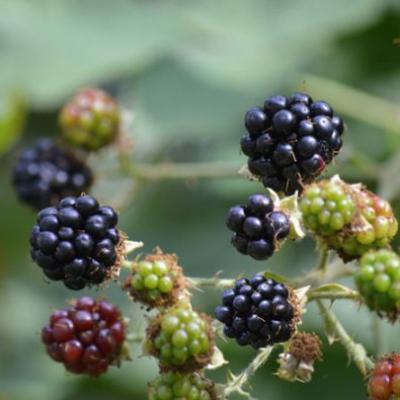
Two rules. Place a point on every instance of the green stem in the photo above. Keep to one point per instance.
(354, 103)
(214, 282)
(210, 170)
(236, 383)
(356, 351)
(324, 254)
(378, 335)
(349, 294)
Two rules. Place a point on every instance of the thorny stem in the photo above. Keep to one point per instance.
(236, 383)
(355, 350)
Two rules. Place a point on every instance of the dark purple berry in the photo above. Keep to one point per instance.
(320, 108)
(275, 103)
(236, 218)
(284, 121)
(306, 146)
(255, 121)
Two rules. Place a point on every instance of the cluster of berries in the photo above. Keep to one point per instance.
(173, 386)
(259, 312)
(50, 171)
(348, 218)
(86, 337)
(258, 227)
(378, 280)
(291, 140)
(384, 381)
(77, 242)
(46, 173)
(156, 281)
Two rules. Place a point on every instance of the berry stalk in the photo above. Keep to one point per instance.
(356, 351)
(236, 383)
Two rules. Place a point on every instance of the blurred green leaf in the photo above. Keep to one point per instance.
(12, 119)
(274, 37)
(48, 48)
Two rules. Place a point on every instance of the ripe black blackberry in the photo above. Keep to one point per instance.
(77, 242)
(259, 312)
(46, 173)
(87, 337)
(291, 140)
(259, 229)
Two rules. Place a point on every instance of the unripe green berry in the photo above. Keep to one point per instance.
(326, 207)
(185, 334)
(378, 280)
(91, 119)
(175, 386)
(156, 281)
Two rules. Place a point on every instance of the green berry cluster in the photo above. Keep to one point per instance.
(327, 207)
(174, 386)
(347, 218)
(91, 119)
(373, 227)
(157, 280)
(378, 280)
(181, 339)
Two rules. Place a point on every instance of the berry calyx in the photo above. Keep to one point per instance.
(181, 339)
(86, 337)
(174, 386)
(46, 173)
(296, 363)
(156, 280)
(91, 119)
(290, 141)
(259, 228)
(327, 207)
(259, 312)
(384, 381)
(378, 280)
(77, 242)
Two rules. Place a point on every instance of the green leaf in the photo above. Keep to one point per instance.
(49, 48)
(12, 119)
(276, 277)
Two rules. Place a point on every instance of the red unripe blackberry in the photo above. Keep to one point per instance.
(290, 141)
(77, 242)
(91, 119)
(87, 337)
(259, 228)
(384, 381)
(46, 173)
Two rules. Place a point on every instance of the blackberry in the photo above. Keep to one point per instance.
(77, 242)
(258, 228)
(373, 226)
(157, 280)
(258, 312)
(87, 337)
(296, 363)
(174, 386)
(181, 339)
(46, 173)
(327, 207)
(384, 380)
(91, 119)
(378, 280)
(290, 141)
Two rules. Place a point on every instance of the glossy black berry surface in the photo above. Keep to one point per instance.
(46, 173)
(76, 242)
(257, 227)
(257, 312)
(290, 141)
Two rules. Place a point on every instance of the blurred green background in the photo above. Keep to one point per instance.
(189, 70)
